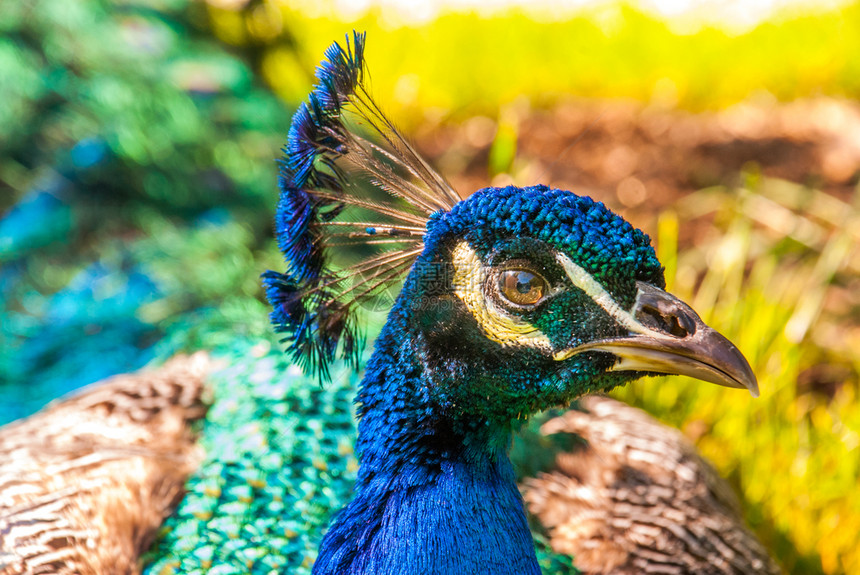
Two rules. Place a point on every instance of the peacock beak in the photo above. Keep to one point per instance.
(667, 336)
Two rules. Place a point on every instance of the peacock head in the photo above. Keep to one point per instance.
(516, 299)
(534, 296)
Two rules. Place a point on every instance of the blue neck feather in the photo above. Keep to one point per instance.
(430, 497)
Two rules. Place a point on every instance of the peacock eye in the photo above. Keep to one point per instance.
(522, 287)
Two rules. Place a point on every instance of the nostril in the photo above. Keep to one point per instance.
(667, 321)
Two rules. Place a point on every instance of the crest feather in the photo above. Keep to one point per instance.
(330, 182)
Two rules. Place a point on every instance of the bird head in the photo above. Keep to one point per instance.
(515, 299)
(525, 298)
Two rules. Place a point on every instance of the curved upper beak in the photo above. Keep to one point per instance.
(667, 336)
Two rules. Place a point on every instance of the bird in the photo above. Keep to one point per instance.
(509, 302)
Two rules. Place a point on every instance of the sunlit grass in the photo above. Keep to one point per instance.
(794, 452)
(468, 63)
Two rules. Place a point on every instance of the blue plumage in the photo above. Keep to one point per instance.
(612, 250)
(515, 300)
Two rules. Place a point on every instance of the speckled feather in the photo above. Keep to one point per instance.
(86, 483)
(635, 497)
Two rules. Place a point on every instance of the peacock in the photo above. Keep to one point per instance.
(505, 304)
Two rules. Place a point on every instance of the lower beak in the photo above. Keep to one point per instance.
(673, 339)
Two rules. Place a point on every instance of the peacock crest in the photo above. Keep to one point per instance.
(352, 214)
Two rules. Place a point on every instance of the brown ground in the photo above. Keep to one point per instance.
(639, 159)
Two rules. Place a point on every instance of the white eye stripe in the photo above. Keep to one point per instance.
(586, 282)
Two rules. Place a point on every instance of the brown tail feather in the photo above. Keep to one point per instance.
(86, 482)
(639, 499)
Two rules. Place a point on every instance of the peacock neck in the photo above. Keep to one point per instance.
(430, 497)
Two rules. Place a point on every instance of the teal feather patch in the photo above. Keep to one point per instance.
(278, 464)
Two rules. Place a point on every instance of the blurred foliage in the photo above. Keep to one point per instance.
(121, 121)
(468, 63)
(130, 103)
(776, 253)
(137, 183)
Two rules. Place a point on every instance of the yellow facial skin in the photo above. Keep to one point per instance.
(470, 276)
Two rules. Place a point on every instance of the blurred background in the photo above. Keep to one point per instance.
(138, 181)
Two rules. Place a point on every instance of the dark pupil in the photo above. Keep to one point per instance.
(522, 287)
